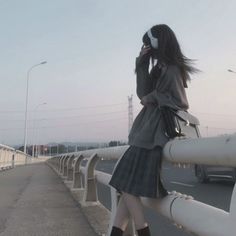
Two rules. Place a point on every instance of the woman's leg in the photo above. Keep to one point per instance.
(122, 215)
(135, 209)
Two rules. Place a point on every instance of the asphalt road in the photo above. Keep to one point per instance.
(216, 193)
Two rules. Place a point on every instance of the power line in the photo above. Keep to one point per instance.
(63, 109)
(71, 117)
(215, 114)
(83, 123)
(72, 125)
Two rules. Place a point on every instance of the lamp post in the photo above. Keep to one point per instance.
(34, 129)
(38, 147)
(26, 104)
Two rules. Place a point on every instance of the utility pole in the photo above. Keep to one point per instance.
(130, 112)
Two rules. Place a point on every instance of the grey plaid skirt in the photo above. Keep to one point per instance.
(138, 173)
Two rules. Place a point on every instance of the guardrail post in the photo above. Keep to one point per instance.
(90, 193)
(61, 164)
(70, 168)
(1, 154)
(13, 160)
(64, 167)
(58, 163)
(77, 180)
(4, 159)
(10, 159)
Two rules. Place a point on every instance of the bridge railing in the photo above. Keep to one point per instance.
(206, 220)
(9, 157)
(6, 154)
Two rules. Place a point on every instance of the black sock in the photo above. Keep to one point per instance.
(144, 231)
(116, 231)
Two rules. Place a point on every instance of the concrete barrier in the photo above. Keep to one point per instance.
(10, 158)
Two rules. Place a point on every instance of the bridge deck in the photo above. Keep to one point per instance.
(34, 201)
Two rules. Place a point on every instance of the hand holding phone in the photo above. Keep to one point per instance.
(145, 50)
(144, 56)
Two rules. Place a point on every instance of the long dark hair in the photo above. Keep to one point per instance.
(169, 51)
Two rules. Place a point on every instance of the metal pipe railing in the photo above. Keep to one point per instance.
(219, 151)
(206, 220)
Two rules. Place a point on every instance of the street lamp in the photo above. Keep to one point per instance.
(26, 103)
(231, 71)
(38, 149)
(34, 129)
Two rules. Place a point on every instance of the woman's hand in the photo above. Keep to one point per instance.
(144, 56)
(145, 50)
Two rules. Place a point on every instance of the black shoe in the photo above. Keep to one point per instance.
(144, 231)
(116, 231)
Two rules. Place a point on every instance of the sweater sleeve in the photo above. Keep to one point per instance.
(143, 80)
(170, 91)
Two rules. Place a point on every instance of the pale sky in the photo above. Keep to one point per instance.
(90, 48)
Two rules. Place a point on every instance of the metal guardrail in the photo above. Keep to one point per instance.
(206, 220)
(9, 157)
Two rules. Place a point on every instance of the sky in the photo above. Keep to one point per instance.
(90, 48)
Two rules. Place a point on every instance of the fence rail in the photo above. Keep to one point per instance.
(9, 157)
(206, 220)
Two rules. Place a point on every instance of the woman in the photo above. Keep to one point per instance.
(138, 171)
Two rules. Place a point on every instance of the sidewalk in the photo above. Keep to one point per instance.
(35, 202)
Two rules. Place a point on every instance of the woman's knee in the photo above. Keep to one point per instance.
(130, 196)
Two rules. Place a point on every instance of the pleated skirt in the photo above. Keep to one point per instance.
(138, 172)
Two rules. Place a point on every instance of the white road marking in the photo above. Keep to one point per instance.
(179, 183)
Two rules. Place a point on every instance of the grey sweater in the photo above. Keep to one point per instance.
(148, 127)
